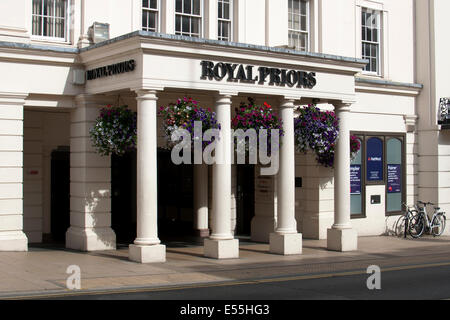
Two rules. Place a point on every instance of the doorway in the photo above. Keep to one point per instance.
(245, 199)
(60, 194)
(175, 197)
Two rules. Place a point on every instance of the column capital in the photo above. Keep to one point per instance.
(287, 102)
(343, 106)
(145, 94)
(224, 98)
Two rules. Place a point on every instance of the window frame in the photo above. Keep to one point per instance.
(380, 32)
(299, 31)
(384, 136)
(158, 12)
(67, 24)
(229, 21)
(200, 16)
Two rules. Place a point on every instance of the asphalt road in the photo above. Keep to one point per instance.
(420, 282)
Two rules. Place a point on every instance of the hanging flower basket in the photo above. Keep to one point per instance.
(114, 131)
(317, 131)
(252, 116)
(183, 115)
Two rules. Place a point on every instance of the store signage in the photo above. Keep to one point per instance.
(249, 74)
(355, 179)
(112, 69)
(374, 159)
(394, 182)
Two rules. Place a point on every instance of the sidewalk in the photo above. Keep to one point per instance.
(43, 270)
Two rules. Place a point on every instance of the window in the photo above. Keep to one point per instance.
(224, 19)
(188, 18)
(299, 24)
(150, 15)
(371, 34)
(49, 19)
(356, 184)
(380, 161)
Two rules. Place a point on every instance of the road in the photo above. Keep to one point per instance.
(419, 282)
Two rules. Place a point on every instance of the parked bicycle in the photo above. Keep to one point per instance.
(403, 223)
(421, 222)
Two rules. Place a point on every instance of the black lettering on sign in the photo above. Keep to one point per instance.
(111, 70)
(242, 73)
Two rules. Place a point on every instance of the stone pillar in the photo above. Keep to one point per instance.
(221, 244)
(12, 237)
(201, 200)
(147, 247)
(90, 183)
(286, 240)
(341, 236)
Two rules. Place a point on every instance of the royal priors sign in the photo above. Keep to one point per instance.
(262, 75)
(111, 70)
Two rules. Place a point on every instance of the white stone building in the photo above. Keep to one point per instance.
(381, 65)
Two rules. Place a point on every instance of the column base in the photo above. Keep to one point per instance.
(286, 244)
(90, 239)
(15, 241)
(342, 240)
(221, 249)
(202, 233)
(147, 254)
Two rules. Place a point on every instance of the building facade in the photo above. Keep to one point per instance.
(380, 65)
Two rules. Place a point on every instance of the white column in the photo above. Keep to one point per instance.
(341, 237)
(90, 183)
(221, 244)
(147, 247)
(201, 200)
(285, 240)
(12, 237)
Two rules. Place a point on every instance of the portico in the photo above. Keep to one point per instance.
(159, 70)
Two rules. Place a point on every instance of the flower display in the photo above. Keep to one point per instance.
(114, 131)
(318, 131)
(257, 117)
(183, 115)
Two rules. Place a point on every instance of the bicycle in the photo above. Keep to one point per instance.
(421, 222)
(403, 222)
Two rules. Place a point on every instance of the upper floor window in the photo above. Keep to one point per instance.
(225, 19)
(299, 24)
(50, 19)
(188, 18)
(371, 34)
(150, 15)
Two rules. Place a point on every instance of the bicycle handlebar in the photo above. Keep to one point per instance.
(425, 203)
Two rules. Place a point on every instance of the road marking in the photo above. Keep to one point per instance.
(222, 284)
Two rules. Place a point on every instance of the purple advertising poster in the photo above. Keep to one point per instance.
(355, 179)
(394, 173)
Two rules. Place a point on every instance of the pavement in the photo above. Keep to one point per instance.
(42, 270)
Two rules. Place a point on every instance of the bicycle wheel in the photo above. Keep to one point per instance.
(438, 225)
(401, 227)
(416, 226)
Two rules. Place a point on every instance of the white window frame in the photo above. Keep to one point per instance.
(229, 21)
(158, 15)
(300, 31)
(377, 43)
(67, 22)
(201, 17)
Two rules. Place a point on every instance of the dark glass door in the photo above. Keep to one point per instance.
(60, 193)
(245, 198)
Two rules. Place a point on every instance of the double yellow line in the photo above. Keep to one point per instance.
(221, 284)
